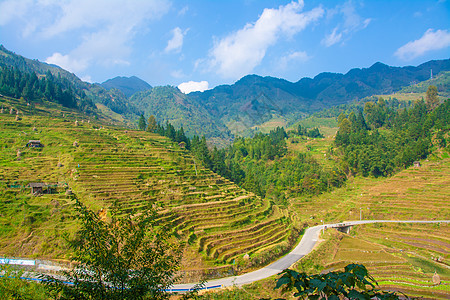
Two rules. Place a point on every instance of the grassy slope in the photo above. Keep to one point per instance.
(110, 164)
(401, 257)
(163, 174)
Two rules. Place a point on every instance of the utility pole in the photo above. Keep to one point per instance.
(323, 226)
(360, 213)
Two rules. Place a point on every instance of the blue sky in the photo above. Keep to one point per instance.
(201, 44)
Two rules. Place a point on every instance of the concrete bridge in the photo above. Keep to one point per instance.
(342, 227)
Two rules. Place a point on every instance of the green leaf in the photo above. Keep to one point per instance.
(353, 294)
(283, 280)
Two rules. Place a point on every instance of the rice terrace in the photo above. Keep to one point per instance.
(214, 182)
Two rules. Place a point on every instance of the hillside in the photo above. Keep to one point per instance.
(401, 257)
(255, 100)
(103, 165)
(251, 104)
(168, 104)
(127, 85)
(113, 100)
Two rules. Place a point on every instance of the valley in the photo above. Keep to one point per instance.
(236, 203)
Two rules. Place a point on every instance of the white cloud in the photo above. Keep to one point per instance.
(103, 29)
(76, 14)
(332, 38)
(352, 22)
(240, 52)
(298, 56)
(183, 11)
(87, 78)
(431, 40)
(193, 86)
(176, 42)
(66, 62)
(10, 10)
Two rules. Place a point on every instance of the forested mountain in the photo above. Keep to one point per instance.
(238, 109)
(83, 91)
(169, 104)
(128, 85)
(11, 59)
(254, 100)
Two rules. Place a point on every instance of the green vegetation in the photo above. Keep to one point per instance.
(354, 282)
(264, 165)
(14, 83)
(168, 104)
(130, 257)
(384, 140)
(13, 287)
(103, 165)
(292, 179)
(441, 81)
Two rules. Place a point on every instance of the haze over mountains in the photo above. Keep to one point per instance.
(240, 108)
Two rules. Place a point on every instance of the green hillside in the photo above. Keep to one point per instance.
(85, 94)
(103, 165)
(168, 104)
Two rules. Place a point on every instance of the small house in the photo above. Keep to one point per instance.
(182, 145)
(37, 188)
(417, 164)
(34, 144)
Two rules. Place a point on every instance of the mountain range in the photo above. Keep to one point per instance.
(240, 108)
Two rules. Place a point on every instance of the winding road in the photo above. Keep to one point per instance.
(305, 246)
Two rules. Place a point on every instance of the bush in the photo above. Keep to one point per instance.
(121, 258)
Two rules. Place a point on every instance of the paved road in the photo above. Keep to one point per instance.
(305, 246)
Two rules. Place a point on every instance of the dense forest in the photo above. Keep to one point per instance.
(380, 140)
(17, 84)
(376, 139)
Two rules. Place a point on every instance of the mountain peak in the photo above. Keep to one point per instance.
(128, 85)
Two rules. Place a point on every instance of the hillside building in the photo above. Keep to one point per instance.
(34, 144)
(39, 188)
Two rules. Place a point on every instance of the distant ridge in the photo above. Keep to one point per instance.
(128, 85)
(251, 104)
(254, 100)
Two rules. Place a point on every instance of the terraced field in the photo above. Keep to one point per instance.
(401, 257)
(106, 165)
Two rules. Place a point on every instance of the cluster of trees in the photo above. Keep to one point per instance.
(17, 84)
(176, 135)
(380, 139)
(346, 109)
(303, 131)
(263, 165)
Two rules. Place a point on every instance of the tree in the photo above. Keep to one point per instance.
(353, 283)
(141, 123)
(432, 100)
(152, 124)
(123, 258)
